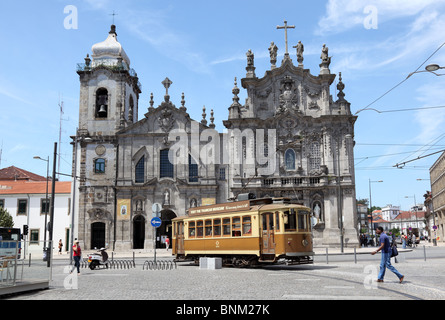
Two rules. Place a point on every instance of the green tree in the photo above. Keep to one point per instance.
(5, 219)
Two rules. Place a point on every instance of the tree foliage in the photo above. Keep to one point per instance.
(5, 219)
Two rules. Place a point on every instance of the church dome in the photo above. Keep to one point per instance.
(107, 52)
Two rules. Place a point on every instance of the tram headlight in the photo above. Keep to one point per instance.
(305, 242)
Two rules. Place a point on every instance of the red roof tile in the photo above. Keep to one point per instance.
(33, 187)
(15, 174)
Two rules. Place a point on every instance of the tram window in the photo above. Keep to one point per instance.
(302, 220)
(277, 221)
(226, 226)
(199, 229)
(217, 227)
(247, 225)
(290, 220)
(236, 227)
(192, 229)
(208, 228)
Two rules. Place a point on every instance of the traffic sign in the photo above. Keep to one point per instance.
(156, 222)
(434, 227)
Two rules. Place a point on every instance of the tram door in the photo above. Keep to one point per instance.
(179, 230)
(268, 233)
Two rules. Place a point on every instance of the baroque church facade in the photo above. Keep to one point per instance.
(290, 139)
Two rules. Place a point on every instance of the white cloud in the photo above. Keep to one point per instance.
(343, 15)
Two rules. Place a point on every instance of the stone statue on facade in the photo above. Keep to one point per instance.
(273, 49)
(325, 60)
(300, 50)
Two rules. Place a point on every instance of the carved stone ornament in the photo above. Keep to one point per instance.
(288, 99)
(166, 120)
(100, 150)
(98, 214)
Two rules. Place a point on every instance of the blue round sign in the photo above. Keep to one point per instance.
(156, 222)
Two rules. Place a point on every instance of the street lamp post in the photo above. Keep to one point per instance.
(53, 193)
(431, 68)
(370, 205)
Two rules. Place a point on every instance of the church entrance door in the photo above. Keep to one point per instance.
(165, 230)
(97, 235)
(138, 232)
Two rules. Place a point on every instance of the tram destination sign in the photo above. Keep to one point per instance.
(220, 208)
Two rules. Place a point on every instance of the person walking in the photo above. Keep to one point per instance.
(403, 241)
(60, 246)
(77, 254)
(385, 262)
(167, 243)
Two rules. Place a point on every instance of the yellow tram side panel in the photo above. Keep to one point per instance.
(219, 245)
(290, 243)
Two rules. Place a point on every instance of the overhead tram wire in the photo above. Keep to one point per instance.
(400, 83)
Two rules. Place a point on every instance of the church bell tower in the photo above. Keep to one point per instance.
(109, 89)
(108, 103)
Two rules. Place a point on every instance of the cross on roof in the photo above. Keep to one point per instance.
(285, 27)
(113, 14)
(167, 83)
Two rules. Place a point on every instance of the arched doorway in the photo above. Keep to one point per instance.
(97, 235)
(138, 232)
(165, 230)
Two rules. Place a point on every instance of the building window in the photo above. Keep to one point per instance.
(99, 165)
(193, 170)
(315, 157)
(289, 157)
(222, 173)
(34, 236)
(101, 103)
(22, 204)
(140, 170)
(2, 203)
(44, 206)
(166, 166)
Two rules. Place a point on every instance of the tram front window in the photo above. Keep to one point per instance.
(303, 223)
(290, 220)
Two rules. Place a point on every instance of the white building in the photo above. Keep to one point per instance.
(25, 200)
(390, 212)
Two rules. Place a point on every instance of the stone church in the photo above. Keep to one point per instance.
(289, 139)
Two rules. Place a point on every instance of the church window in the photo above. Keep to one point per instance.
(193, 170)
(139, 170)
(290, 159)
(131, 109)
(166, 166)
(99, 165)
(101, 103)
(222, 173)
(315, 157)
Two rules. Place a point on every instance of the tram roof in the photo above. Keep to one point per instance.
(243, 206)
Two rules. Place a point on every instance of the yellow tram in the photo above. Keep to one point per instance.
(245, 233)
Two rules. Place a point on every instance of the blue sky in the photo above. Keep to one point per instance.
(201, 47)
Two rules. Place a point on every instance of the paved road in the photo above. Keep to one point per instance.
(339, 279)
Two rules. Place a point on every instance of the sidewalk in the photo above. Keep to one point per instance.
(162, 253)
(369, 249)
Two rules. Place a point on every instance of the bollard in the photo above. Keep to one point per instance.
(327, 260)
(355, 256)
(29, 262)
(424, 253)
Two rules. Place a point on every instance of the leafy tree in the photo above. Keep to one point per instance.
(5, 219)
